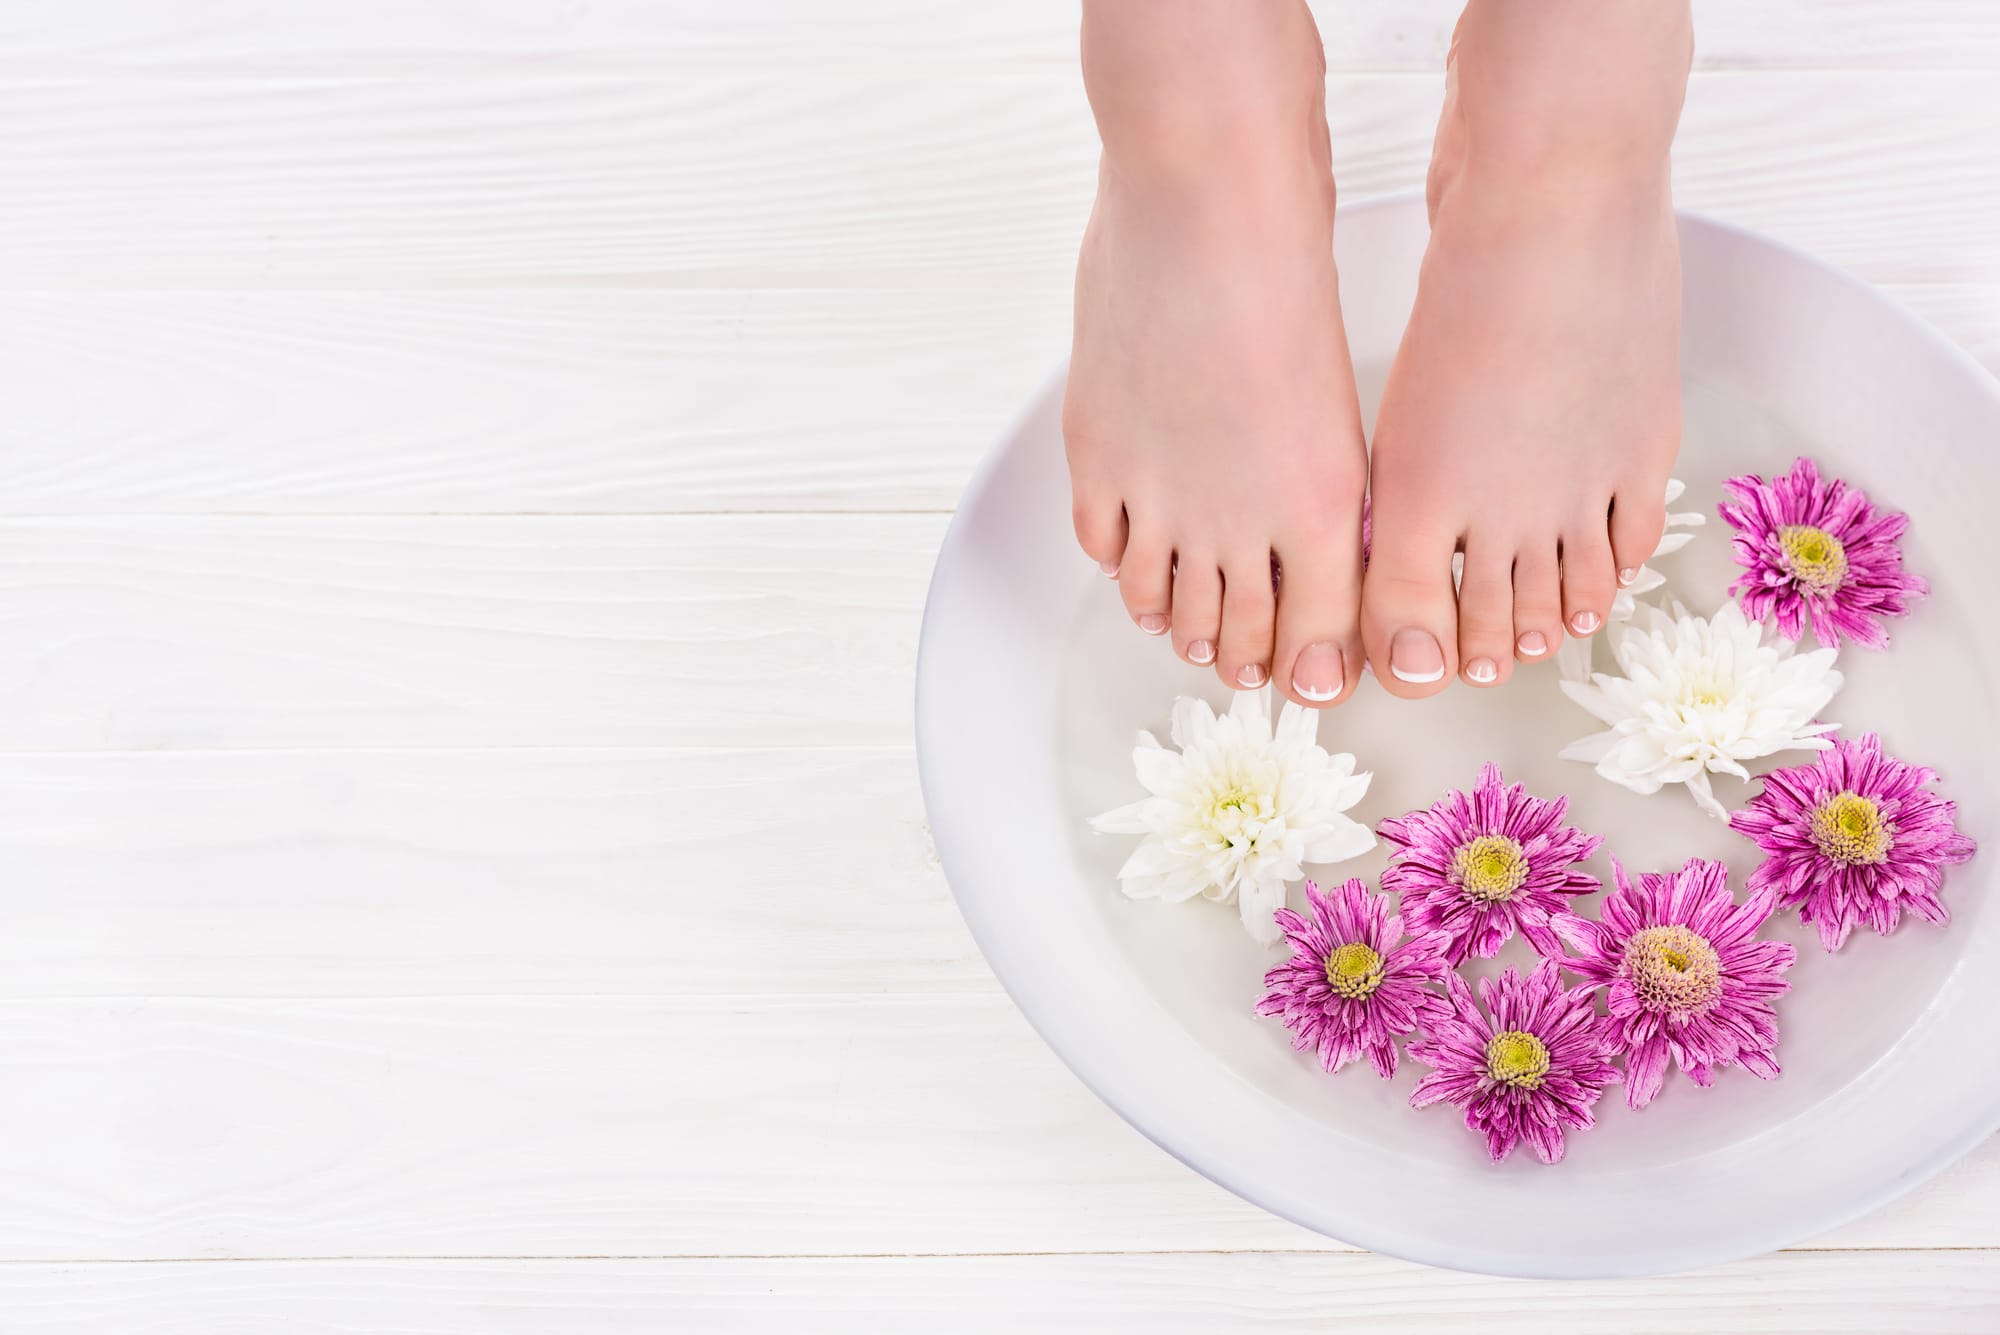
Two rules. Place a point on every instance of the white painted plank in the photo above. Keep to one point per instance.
(874, 38)
(551, 402)
(805, 181)
(1907, 1293)
(615, 1126)
(416, 873)
(151, 634)
(525, 401)
(156, 1128)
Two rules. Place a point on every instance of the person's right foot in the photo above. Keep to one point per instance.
(1211, 420)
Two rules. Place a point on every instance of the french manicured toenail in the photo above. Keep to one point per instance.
(1532, 644)
(1318, 674)
(1110, 569)
(1626, 576)
(1153, 623)
(1482, 670)
(1251, 674)
(1585, 622)
(1415, 658)
(1200, 652)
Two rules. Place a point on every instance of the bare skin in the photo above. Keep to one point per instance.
(1532, 416)
(1211, 420)
(1533, 412)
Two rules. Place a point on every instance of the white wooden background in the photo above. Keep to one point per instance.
(469, 473)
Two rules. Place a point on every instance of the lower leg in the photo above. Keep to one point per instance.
(1211, 420)
(1533, 412)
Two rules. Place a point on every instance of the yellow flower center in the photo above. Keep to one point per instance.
(1489, 868)
(1673, 969)
(1813, 556)
(1354, 971)
(1516, 1057)
(1236, 814)
(1848, 828)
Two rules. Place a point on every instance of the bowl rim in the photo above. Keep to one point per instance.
(1356, 1230)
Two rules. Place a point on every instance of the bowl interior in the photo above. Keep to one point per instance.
(1033, 684)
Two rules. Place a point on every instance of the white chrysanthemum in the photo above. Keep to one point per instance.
(1238, 808)
(1700, 696)
(1576, 657)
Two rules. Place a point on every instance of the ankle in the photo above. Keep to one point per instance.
(1189, 92)
(1566, 92)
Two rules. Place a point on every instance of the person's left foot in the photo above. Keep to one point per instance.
(1532, 416)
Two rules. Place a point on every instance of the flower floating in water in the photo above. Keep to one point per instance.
(1479, 865)
(1700, 696)
(1857, 836)
(1575, 655)
(1684, 975)
(1817, 551)
(1238, 808)
(1353, 982)
(1529, 1071)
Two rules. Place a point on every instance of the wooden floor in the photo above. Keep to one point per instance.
(469, 471)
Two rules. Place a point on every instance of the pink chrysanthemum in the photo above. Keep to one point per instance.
(1477, 866)
(1855, 836)
(1684, 975)
(1817, 550)
(1532, 1069)
(1353, 983)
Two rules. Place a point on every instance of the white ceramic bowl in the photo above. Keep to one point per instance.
(1031, 685)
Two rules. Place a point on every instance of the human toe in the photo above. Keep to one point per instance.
(1408, 611)
(1249, 607)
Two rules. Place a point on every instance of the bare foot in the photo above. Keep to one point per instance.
(1532, 416)
(1212, 427)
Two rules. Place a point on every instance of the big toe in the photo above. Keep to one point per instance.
(1408, 611)
(1318, 655)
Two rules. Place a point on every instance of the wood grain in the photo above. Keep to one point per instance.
(1788, 1294)
(689, 37)
(412, 873)
(665, 401)
(145, 634)
(526, 401)
(362, 181)
(593, 1126)
(451, 807)
(1951, 1293)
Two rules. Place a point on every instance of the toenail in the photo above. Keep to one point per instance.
(1415, 657)
(1533, 644)
(1626, 576)
(1318, 674)
(1110, 569)
(1153, 623)
(1482, 670)
(1201, 652)
(1251, 674)
(1585, 622)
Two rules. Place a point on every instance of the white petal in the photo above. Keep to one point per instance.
(1672, 542)
(1193, 722)
(1298, 727)
(1343, 840)
(1704, 797)
(1258, 904)
(1589, 749)
(1160, 771)
(1141, 817)
(1171, 887)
